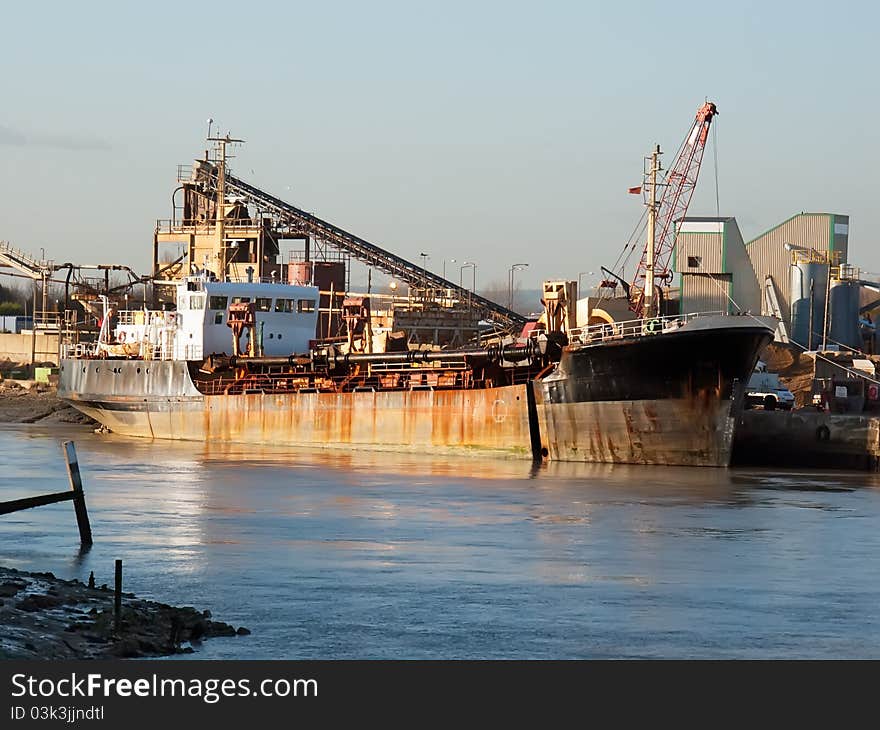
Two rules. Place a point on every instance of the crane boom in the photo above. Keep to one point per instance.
(678, 187)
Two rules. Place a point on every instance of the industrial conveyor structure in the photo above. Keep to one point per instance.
(203, 184)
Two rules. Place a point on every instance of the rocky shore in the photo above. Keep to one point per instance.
(23, 401)
(44, 617)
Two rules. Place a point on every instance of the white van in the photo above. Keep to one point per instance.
(765, 389)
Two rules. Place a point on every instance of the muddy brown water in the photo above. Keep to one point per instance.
(346, 554)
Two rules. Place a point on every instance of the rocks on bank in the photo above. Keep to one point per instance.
(44, 617)
(24, 401)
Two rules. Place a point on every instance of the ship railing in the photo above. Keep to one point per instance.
(310, 383)
(200, 225)
(632, 328)
(78, 350)
(139, 317)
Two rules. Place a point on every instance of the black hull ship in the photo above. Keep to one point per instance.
(672, 397)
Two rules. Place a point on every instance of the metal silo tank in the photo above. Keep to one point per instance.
(844, 314)
(803, 275)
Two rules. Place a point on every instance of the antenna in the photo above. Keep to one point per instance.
(210, 122)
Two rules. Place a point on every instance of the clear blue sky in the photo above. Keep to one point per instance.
(495, 132)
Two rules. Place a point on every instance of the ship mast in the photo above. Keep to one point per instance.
(648, 293)
(221, 198)
(668, 208)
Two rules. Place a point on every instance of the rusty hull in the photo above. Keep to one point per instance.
(670, 431)
(158, 400)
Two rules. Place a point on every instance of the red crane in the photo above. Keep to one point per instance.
(678, 187)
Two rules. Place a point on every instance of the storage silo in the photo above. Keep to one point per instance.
(845, 314)
(809, 280)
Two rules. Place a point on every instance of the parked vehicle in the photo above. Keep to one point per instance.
(765, 389)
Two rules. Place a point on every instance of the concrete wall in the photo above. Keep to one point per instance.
(18, 348)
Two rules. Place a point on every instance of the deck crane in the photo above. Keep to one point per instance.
(678, 187)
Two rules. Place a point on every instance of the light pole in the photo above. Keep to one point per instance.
(466, 265)
(582, 273)
(451, 261)
(425, 257)
(515, 267)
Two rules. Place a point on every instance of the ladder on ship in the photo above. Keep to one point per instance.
(366, 252)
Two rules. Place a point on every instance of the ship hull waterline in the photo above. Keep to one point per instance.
(691, 424)
(673, 399)
(159, 400)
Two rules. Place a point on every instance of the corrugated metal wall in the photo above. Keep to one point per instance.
(705, 246)
(745, 290)
(810, 230)
(719, 244)
(704, 293)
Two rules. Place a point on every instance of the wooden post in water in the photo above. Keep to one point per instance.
(79, 497)
(117, 597)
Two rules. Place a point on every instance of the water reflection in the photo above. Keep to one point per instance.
(331, 554)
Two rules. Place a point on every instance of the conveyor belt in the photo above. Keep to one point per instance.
(366, 252)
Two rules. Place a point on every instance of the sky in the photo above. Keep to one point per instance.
(490, 132)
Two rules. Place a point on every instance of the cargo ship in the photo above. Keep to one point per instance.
(671, 396)
(231, 351)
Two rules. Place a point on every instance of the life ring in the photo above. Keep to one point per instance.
(120, 338)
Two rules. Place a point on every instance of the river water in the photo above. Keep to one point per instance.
(353, 554)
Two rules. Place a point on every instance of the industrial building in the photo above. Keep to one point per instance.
(797, 271)
(716, 273)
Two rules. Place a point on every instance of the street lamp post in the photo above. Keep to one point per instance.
(451, 261)
(582, 273)
(425, 257)
(467, 265)
(515, 267)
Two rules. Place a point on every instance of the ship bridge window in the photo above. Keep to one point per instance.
(305, 305)
(285, 305)
(240, 300)
(263, 304)
(216, 302)
(196, 302)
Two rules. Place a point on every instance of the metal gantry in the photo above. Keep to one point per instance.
(367, 253)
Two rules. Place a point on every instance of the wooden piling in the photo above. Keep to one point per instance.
(117, 597)
(76, 495)
(79, 497)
